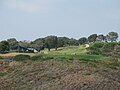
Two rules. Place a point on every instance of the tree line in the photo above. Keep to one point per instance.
(50, 42)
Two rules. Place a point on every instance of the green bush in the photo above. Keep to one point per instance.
(71, 58)
(21, 57)
(36, 57)
(109, 46)
(47, 58)
(104, 48)
(98, 44)
(94, 50)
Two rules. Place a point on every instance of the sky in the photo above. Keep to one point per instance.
(32, 19)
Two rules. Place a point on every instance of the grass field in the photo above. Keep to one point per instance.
(67, 50)
(73, 52)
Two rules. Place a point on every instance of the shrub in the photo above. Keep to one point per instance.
(98, 44)
(21, 57)
(117, 51)
(71, 58)
(94, 50)
(104, 48)
(36, 57)
(109, 46)
(47, 58)
(59, 57)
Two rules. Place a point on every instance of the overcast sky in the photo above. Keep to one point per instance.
(31, 19)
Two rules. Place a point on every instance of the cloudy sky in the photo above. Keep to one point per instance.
(31, 19)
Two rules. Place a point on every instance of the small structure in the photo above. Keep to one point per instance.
(32, 49)
(22, 49)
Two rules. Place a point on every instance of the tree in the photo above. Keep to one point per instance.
(83, 40)
(38, 44)
(92, 38)
(60, 42)
(73, 42)
(100, 38)
(13, 43)
(4, 46)
(24, 43)
(112, 36)
(65, 41)
(105, 38)
(51, 42)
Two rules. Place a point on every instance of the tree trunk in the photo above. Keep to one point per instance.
(48, 49)
(56, 48)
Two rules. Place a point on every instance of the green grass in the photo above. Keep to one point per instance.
(67, 50)
(71, 53)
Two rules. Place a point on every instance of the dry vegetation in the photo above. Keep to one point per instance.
(60, 71)
(14, 54)
(60, 75)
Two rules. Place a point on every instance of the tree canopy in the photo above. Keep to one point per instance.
(112, 36)
(92, 38)
(51, 42)
(55, 42)
(4, 46)
(83, 40)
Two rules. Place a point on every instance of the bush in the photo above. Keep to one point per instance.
(94, 50)
(109, 46)
(71, 58)
(36, 57)
(98, 44)
(103, 48)
(21, 57)
(47, 58)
